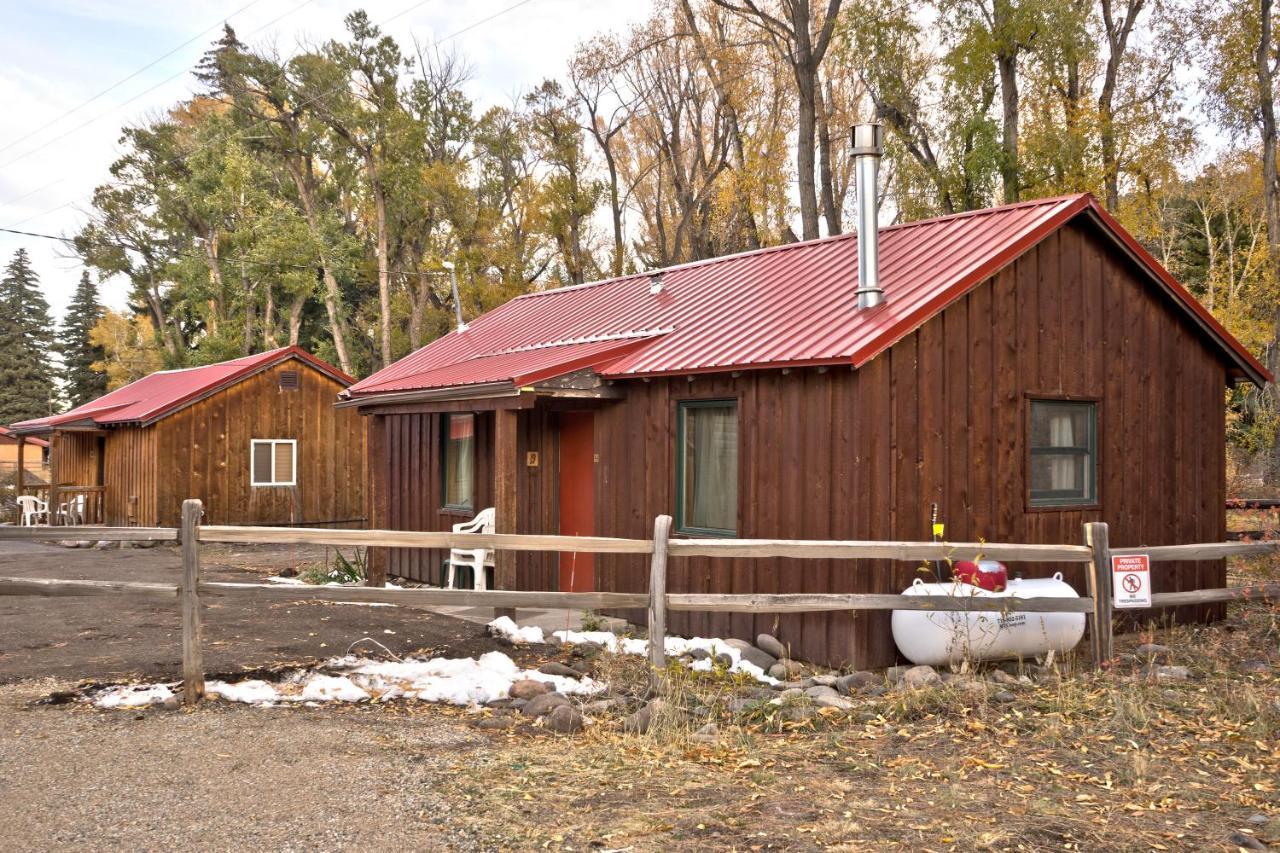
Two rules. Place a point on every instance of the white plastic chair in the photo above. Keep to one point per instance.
(72, 511)
(32, 509)
(476, 558)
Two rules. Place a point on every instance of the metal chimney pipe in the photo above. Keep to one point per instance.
(868, 148)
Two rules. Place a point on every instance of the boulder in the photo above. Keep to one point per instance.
(1153, 652)
(698, 654)
(1254, 666)
(921, 676)
(564, 719)
(874, 690)
(604, 706)
(833, 700)
(540, 706)
(894, 673)
(759, 657)
(821, 690)
(771, 645)
(999, 676)
(740, 645)
(494, 723)
(706, 734)
(556, 668)
(724, 660)
(847, 684)
(798, 713)
(785, 669)
(824, 680)
(640, 722)
(1004, 697)
(527, 688)
(1170, 673)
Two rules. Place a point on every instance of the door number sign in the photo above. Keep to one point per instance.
(1131, 581)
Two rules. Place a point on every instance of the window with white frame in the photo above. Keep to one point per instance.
(273, 462)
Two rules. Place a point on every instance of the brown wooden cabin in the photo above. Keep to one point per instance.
(1031, 368)
(257, 439)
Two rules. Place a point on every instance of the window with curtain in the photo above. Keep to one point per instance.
(707, 467)
(273, 462)
(1064, 453)
(459, 464)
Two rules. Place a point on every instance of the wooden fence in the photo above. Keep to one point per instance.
(189, 592)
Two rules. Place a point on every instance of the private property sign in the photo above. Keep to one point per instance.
(1131, 581)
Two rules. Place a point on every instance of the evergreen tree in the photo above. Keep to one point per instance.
(26, 342)
(81, 382)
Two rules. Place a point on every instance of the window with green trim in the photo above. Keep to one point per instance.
(1064, 453)
(458, 460)
(707, 467)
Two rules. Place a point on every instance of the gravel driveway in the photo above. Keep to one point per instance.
(224, 777)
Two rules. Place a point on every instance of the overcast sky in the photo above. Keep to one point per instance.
(56, 54)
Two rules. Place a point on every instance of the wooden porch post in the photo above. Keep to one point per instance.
(55, 449)
(375, 495)
(22, 462)
(504, 499)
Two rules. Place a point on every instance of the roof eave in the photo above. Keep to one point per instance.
(479, 391)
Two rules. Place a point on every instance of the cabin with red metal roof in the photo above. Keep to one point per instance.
(1024, 369)
(257, 439)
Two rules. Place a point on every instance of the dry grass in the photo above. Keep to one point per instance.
(1114, 760)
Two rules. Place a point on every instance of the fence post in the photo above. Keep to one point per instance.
(658, 595)
(192, 633)
(1100, 638)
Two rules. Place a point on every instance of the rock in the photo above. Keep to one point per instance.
(640, 722)
(173, 703)
(970, 688)
(106, 544)
(564, 719)
(1170, 673)
(770, 645)
(604, 706)
(706, 734)
(1152, 651)
(759, 657)
(1258, 819)
(824, 680)
(737, 706)
(920, 676)
(143, 543)
(75, 543)
(790, 693)
(1025, 681)
(1004, 697)
(740, 645)
(699, 654)
(820, 690)
(894, 673)
(999, 676)
(757, 692)
(833, 700)
(494, 723)
(555, 668)
(724, 660)
(527, 688)
(540, 706)
(518, 703)
(847, 684)
(288, 572)
(1254, 666)
(1247, 842)
(798, 713)
(875, 690)
(786, 669)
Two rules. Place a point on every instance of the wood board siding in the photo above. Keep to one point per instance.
(130, 477)
(204, 451)
(940, 417)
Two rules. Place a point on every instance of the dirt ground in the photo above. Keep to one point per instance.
(109, 639)
(1119, 760)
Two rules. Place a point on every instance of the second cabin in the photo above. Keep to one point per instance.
(1027, 369)
(257, 439)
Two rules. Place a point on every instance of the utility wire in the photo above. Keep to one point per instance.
(124, 80)
(262, 123)
(108, 112)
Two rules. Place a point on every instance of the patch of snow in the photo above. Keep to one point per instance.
(286, 581)
(252, 692)
(504, 626)
(132, 695)
(331, 688)
(673, 646)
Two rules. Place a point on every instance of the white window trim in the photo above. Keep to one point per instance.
(292, 442)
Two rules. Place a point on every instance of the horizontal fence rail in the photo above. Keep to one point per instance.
(1096, 552)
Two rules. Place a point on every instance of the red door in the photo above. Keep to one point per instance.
(577, 497)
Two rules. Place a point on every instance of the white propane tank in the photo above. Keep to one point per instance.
(937, 638)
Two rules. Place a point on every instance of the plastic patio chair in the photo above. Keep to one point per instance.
(474, 558)
(32, 509)
(72, 511)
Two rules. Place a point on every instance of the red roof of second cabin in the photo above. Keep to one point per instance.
(5, 432)
(164, 392)
(789, 305)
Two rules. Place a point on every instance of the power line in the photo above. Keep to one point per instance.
(262, 123)
(124, 80)
(144, 92)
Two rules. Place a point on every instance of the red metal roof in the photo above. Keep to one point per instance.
(162, 393)
(5, 432)
(789, 305)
